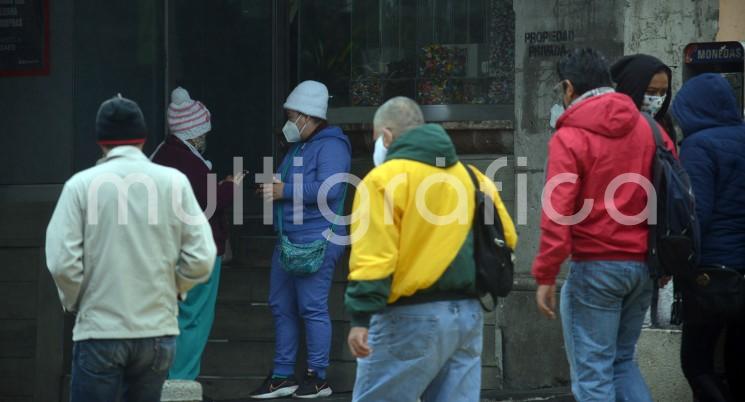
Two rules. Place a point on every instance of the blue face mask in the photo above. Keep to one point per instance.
(380, 151)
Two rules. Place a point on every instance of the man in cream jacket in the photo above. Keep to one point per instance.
(126, 240)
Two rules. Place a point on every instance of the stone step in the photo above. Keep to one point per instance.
(252, 250)
(341, 376)
(253, 359)
(549, 394)
(253, 355)
(181, 391)
(254, 322)
(237, 389)
(240, 284)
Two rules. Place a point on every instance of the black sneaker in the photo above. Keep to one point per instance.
(275, 388)
(313, 387)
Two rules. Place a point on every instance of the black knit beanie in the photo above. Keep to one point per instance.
(120, 122)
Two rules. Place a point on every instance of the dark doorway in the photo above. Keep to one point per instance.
(221, 52)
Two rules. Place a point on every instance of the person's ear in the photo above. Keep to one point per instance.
(569, 93)
(387, 137)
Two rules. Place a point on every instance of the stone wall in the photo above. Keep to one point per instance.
(662, 28)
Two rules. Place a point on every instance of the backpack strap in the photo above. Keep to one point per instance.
(477, 186)
(652, 258)
(655, 130)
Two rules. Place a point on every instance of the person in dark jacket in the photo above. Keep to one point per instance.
(325, 152)
(189, 122)
(648, 81)
(713, 154)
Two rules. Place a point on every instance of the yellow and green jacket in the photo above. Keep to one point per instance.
(411, 227)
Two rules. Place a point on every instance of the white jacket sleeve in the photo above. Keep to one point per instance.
(64, 247)
(198, 250)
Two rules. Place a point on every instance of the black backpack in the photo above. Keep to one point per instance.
(675, 239)
(494, 263)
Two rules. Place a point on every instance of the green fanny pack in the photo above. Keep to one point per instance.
(303, 259)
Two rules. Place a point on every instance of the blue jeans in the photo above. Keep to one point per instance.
(107, 370)
(302, 298)
(603, 304)
(195, 317)
(429, 350)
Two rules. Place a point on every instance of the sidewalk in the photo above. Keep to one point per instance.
(549, 395)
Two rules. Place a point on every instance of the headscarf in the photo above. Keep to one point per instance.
(632, 75)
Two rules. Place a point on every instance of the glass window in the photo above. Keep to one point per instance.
(324, 45)
(435, 51)
(118, 49)
(221, 52)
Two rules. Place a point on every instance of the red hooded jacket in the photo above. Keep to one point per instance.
(598, 140)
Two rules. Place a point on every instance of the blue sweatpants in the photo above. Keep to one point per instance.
(295, 298)
(195, 317)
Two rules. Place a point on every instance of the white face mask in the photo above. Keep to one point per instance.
(652, 104)
(556, 112)
(291, 132)
(380, 151)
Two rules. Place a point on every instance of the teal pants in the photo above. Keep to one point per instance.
(195, 318)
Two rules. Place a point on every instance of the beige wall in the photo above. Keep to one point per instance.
(731, 20)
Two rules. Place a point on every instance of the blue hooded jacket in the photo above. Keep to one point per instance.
(325, 154)
(713, 154)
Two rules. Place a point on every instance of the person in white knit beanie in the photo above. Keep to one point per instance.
(298, 292)
(306, 108)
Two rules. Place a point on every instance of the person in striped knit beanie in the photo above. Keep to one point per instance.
(189, 122)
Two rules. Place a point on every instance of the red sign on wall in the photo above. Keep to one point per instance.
(24, 37)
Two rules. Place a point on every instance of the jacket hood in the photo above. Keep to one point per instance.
(632, 75)
(424, 144)
(609, 115)
(705, 101)
(331, 132)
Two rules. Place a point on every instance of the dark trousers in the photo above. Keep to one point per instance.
(130, 370)
(698, 354)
